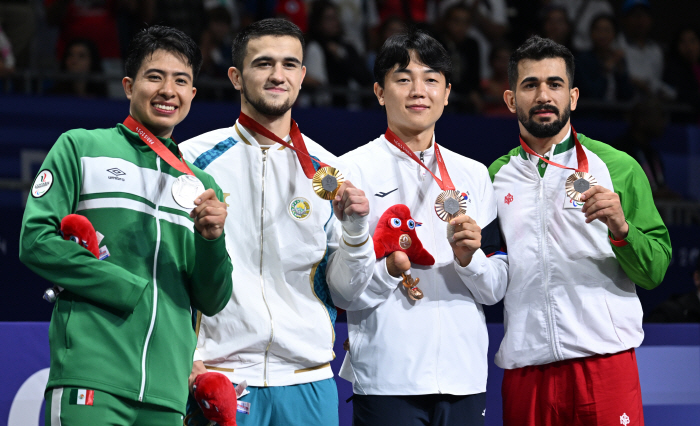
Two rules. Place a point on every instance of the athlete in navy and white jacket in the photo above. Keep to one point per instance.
(399, 348)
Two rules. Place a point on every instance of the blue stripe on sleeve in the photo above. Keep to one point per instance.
(207, 157)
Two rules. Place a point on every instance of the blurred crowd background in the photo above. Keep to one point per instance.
(637, 67)
(626, 50)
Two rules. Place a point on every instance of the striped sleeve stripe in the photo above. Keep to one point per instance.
(207, 157)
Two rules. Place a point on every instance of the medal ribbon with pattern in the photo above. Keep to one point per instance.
(187, 186)
(156, 145)
(579, 181)
(450, 203)
(326, 180)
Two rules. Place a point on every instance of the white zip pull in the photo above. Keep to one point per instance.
(422, 169)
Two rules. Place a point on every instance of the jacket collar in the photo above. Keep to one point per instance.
(243, 134)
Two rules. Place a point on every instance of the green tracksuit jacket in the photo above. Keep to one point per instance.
(123, 324)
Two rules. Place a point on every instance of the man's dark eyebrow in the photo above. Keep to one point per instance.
(407, 71)
(269, 58)
(159, 71)
(535, 79)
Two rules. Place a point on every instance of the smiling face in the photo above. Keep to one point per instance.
(161, 93)
(542, 100)
(414, 97)
(271, 76)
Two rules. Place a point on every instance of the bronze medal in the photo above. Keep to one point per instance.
(326, 182)
(404, 241)
(578, 183)
(450, 204)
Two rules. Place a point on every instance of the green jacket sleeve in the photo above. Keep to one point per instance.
(211, 277)
(66, 263)
(647, 254)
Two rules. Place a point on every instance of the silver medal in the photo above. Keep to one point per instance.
(185, 189)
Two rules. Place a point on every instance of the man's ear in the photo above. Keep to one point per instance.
(234, 74)
(573, 95)
(379, 93)
(447, 92)
(509, 99)
(128, 84)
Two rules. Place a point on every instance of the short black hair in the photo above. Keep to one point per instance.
(397, 48)
(266, 27)
(159, 37)
(537, 48)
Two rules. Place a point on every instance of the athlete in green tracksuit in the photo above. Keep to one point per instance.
(121, 336)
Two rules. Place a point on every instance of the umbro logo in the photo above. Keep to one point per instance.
(384, 194)
(116, 172)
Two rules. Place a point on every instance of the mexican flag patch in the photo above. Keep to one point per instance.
(82, 396)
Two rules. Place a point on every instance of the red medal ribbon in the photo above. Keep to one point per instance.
(446, 183)
(156, 145)
(305, 159)
(580, 154)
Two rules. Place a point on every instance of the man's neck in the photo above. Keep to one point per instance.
(279, 125)
(543, 145)
(416, 140)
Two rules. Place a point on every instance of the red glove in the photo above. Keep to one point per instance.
(75, 227)
(216, 396)
(396, 232)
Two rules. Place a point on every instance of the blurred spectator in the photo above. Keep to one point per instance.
(19, 25)
(81, 59)
(556, 25)
(601, 73)
(581, 14)
(464, 52)
(329, 60)
(490, 18)
(7, 59)
(411, 11)
(215, 43)
(357, 17)
(185, 15)
(683, 67)
(647, 122)
(231, 6)
(645, 60)
(93, 20)
(494, 87)
(391, 26)
(294, 11)
(680, 307)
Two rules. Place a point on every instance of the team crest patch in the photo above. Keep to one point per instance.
(300, 208)
(42, 183)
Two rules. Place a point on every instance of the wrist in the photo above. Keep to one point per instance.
(621, 233)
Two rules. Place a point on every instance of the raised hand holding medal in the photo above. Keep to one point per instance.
(450, 203)
(187, 191)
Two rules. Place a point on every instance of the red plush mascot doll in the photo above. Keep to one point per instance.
(396, 231)
(217, 398)
(75, 227)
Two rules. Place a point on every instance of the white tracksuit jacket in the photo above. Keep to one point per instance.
(284, 241)
(571, 292)
(439, 343)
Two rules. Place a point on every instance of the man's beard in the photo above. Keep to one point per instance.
(265, 108)
(544, 130)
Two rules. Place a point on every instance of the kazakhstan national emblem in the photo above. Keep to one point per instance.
(624, 419)
(300, 208)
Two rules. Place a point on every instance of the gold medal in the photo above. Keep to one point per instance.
(449, 205)
(326, 182)
(578, 183)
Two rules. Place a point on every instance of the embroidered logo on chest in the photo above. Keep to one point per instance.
(299, 208)
(570, 203)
